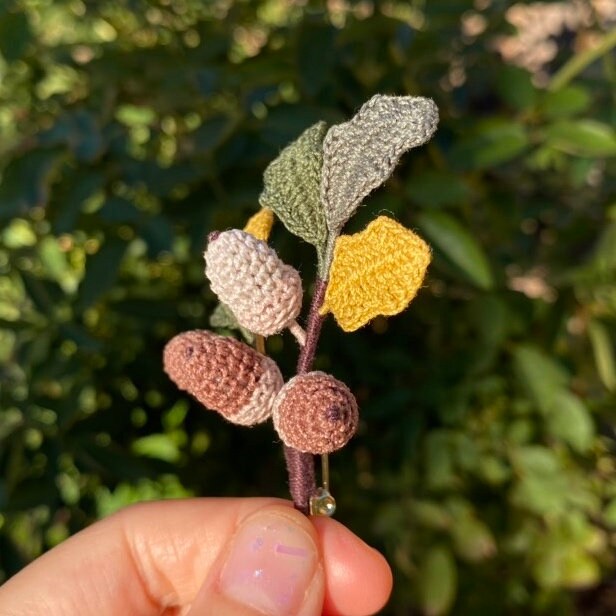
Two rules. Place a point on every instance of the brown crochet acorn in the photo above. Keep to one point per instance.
(315, 413)
(224, 374)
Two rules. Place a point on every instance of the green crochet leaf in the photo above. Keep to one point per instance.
(222, 317)
(359, 155)
(292, 187)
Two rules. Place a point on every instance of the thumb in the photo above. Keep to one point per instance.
(271, 566)
(256, 555)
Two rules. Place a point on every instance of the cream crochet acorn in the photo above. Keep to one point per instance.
(264, 294)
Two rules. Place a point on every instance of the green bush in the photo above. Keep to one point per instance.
(484, 465)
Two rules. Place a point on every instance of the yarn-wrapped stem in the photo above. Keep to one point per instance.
(300, 466)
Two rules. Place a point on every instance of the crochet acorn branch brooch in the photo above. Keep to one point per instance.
(314, 187)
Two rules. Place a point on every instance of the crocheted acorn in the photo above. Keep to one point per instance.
(315, 413)
(224, 374)
(264, 293)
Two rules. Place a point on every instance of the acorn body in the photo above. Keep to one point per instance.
(224, 374)
(263, 292)
(315, 413)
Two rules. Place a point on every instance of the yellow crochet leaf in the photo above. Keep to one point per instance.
(260, 225)
(377, 271)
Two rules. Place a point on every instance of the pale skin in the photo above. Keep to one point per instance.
(168, 559)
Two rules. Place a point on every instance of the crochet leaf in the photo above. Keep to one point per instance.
(260, 224)
(222, 317)
(292, 184)
(375, 272)
(359, 155)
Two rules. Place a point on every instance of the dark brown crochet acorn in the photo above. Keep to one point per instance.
(315, 413)
(224, 374)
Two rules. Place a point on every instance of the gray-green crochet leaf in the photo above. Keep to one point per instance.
(359, 155)
(222, 317)
(292, 186)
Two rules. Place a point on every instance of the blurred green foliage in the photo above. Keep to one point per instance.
(484, 466)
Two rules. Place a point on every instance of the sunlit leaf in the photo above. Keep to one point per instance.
(55, 262)
(580, 570)
(582, 137)
(437, 583)
(458, 245)
(473, 540)
(431, 514)
(18, 233)
(101, 272)
(541, 376)
(603, 349)
(570, 420)
(160, 446)
(565, 102)
(540, 495)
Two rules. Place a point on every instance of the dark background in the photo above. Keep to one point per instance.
(484, 465)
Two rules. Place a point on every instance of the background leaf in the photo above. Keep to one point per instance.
(456, 243)
(495, 142)
(14, 35)
(582, 137)
(437, 582)
(604, 353)
(570, 421)
(541, 376)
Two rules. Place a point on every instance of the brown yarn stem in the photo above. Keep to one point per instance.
(302, 480)
(300, 466)
(313, 328)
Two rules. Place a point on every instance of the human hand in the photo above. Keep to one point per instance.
(202, 557)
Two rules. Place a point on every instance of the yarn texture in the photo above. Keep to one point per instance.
(292, 184)
(260, 224)
(223, 318)
(314, 186)
(264, 294)
(359, 155)
(375, 272)
(315, 413)
(223, 374)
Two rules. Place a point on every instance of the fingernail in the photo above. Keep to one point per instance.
(270, 565)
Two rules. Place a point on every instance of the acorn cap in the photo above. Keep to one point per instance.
(263, 292)
(315, 413)
(224, 374)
